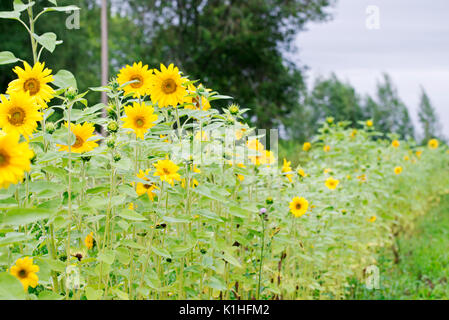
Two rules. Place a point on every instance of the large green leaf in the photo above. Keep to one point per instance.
(64, 79)
(23, 216)
(131, 215)
(7, 57)
(19, 6)
(48, 40)
(9, 15)
(10, 288)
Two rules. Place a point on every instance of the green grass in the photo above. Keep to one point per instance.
(423, 268)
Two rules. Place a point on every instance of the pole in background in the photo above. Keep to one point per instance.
(104, 50)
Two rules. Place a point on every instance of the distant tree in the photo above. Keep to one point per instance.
(428, 118)
(334, 98)
(388, 111)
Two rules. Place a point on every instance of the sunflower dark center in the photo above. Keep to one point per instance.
(22, 273)
(140, 122)
(78, 142)
(147, 186)
(17, 116)
(166, 171)
(4, 159)
(139, 81)
(32, 86)
(298, 206)
(169, 86)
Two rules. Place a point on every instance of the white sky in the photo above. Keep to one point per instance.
(412, 45)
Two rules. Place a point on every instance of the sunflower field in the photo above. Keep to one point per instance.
(158, 195)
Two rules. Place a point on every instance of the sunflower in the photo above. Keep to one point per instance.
(138, 73)
(25, 271)
(193, 183)
(147, 188)
(254, 144)
(419, 153)
(302, 173)
(167, 88)
(201, 136)
(89, 240)
(287, 168)
(83, 138)
(19, 114)
(369, 123)
(34, 81)
(327, 148)
(307, 146)
(167, 171)
(332, 183)
(372, 219)
(433, 144)
(140, 118)
(395, 143)
(298, 206)
(15, 159)
(398, 170)
(194, 101)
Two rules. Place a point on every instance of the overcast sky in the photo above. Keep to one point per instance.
(412, 45)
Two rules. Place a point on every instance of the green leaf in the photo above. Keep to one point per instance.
(161, 252)
(64, 79)
(229, 258)
(24, 216)
(107, 256)
(19, 6)
(49, 295)
(54, 2)
(92, 294)
(61, 9)
(10, 288)
(14, 237)
(48, 40)
(131, 215)
(7, 57)
(9, 15)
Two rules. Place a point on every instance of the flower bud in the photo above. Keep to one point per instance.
(117, 157)
(112, 126)
(234, 109)
(50, 127)
(71, 93)
(111, 143)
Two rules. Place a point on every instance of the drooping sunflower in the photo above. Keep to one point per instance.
(83, 138)
(140, 118)
(307, 146)
(395, 143)
(167, 171)
(89, 241)
(141, 75)
(433, 144)
(287, 168)
(20, 114)
(167, 88)
(398, 170)
(147, 188)
(332, 183)
(34, 81)
(327, 148)
(15, 159)
(194, 101)
(302, 173)
(25, 271)
(299, 206)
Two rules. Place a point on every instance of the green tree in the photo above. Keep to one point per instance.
(388, 111)
(428, 118)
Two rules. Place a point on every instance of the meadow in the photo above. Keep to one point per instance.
(158, 195)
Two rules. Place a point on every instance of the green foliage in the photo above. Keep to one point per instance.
(428, 118)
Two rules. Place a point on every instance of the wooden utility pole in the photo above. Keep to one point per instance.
(104, 48)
